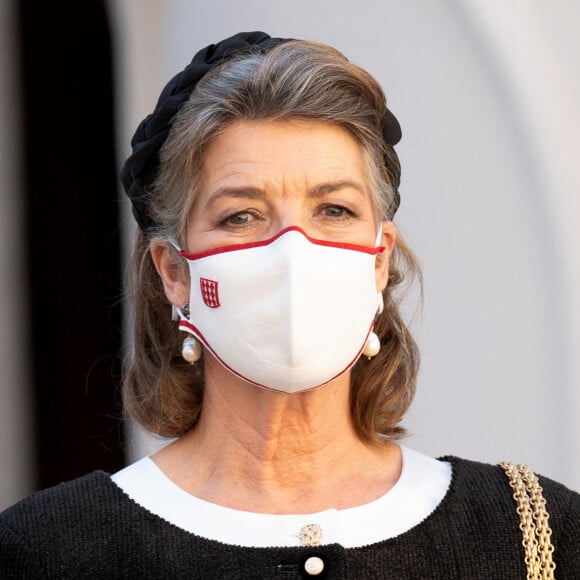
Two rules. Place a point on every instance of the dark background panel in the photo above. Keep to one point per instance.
(73, 242)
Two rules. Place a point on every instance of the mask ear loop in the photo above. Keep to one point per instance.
(178, 314)
(373, 343)
(380, 301)
(191, 350)
(379, 235)
(175, 244)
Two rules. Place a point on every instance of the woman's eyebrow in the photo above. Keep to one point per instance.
(243, 191)
(252, 192)
(323, 189)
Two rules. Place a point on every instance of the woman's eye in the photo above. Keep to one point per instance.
(239, 219)
(336, 211)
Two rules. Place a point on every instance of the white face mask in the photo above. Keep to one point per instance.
(290, 313)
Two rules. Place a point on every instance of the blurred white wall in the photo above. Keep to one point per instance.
(487, 93)
(16, 427)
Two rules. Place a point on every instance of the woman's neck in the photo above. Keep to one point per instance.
(260, 450)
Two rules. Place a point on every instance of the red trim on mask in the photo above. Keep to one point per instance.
(186, 324)
(246, 246)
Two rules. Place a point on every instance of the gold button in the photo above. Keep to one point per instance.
(311, 535)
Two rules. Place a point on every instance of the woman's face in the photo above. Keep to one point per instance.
(260, 177)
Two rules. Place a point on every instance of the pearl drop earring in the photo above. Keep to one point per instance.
(372, 346)
(191, 350)
(373, 343)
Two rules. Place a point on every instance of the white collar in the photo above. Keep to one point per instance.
(423, 484)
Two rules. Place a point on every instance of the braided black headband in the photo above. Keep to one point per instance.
(140, 169)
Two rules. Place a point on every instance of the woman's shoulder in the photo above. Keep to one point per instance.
(478, 480)
(481, 503)
(63, 519)
(66, 500)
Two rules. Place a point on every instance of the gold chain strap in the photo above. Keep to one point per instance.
(531, 507)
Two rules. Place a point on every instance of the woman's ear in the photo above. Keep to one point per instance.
(388, 239)
(173, 272)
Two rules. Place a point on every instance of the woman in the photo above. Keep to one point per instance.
(264, 185)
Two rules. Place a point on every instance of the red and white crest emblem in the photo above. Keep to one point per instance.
(209, 292)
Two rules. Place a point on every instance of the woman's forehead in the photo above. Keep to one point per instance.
(255, 152)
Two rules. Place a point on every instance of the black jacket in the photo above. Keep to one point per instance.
(89, 528)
